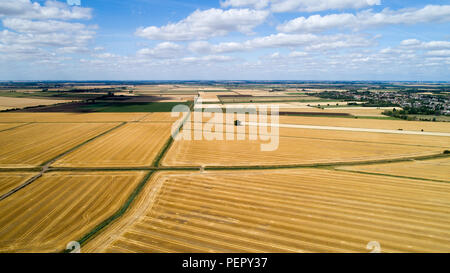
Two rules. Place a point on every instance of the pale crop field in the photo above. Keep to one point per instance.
(437, 169)
(356, 111)
(6, 126)
(61, 207)
(369, 137)
(291, 150)
(71, 117)
(11, 103)
(132, 145)
(34, 144)
(443, 127)
(364, 137)
(161, 117)
(11, 180)
(305, 210)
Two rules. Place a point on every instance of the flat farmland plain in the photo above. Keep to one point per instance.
(437, 169)
(11, 103)
(6, 126)
(408, 140)
(61, 207)
(70, 117)
(307, 210)
(370, 137)
(34, 144)
(11, 180)
(132, 145)
(291, 150)
(356, 111)
(161, 117)
(443, 127)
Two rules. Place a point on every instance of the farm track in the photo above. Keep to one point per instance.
(156, 234)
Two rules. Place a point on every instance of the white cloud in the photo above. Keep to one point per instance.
(311, 42)
(40, 31)
(208, 59)
(74, 2)
(416, 44)
(258, 4)
(106, 55)
(50, 10)
(410, 42)
(439, 53)
(297, 54)
(364, 19)
(166, 50)
(54, 39)
(49, 26)
(301, 5)
(206, 24)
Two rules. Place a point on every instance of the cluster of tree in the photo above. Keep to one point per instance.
(378, 103)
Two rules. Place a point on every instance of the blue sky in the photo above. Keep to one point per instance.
(224, 40)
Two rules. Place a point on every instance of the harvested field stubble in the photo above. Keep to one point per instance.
(6, 126)
(443, 127)
(11, 180)
(437, 169)
(132, 145)
(70, 117)
(306, 210)
(12, 103)
(34, 144)
(291, 150)
(61, 207)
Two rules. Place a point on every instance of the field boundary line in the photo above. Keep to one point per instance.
(49, 162)
(324, 165)
(166, 147)
(392, 175)
(28, 182)
(46, 165)
(136, 211)
(16, 127)
(121, 211)
(118, 169)
(37, 169)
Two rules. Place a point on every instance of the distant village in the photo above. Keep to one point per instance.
(429, 103)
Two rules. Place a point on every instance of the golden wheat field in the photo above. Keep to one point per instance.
(71, 117)
(132, 145)
(61, 207)
(220, 125)
(382, 138)
(11, 180)
(443, 127)
(11, 103)
(436, 169)
(291, 150)
(161, 117)
(6, 126)
(305, 210)
(34, 144)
